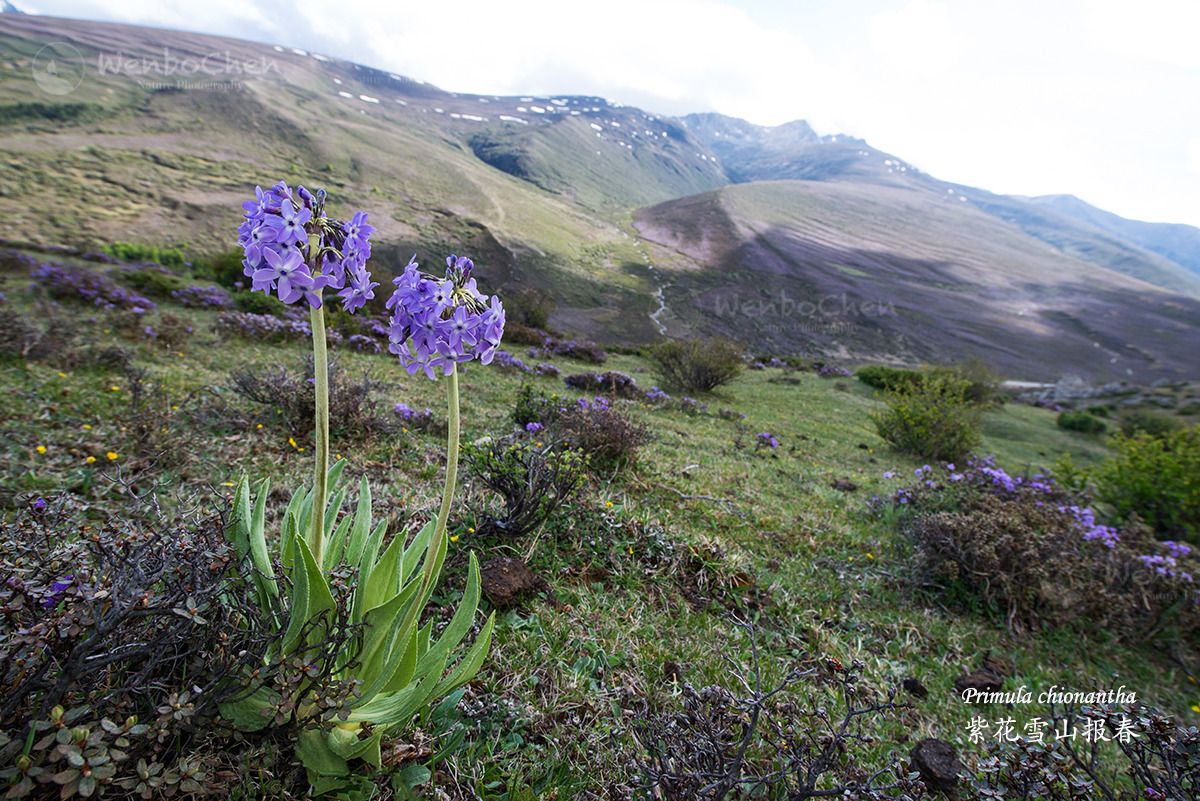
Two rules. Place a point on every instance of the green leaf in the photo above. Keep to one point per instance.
(335, 543)
(402, 668)
(459, 625)
(379, 650)
(240, 530)
(331, 511)
(366, 567)
(362, 524)
(246, 714)
(289, 533)
(418, 546)
(310, 595)
(317, 757)
(349, 745)
(384, 580)
(264, 575)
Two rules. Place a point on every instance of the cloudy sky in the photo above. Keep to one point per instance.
(1096, 98)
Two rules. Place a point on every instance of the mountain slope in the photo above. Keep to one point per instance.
(854, 269)
(548, 192)
(1179, 243)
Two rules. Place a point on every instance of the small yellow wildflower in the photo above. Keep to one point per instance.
(90, 459)
(229, 483)
(115, 388)
(260, 425)
(454, 538)
(41, 448)
(86, 427)
(112, 456)
(470, 531)
(62, 374)
(292, 442)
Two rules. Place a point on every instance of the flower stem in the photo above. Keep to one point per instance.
(316, 530)
(439, 530)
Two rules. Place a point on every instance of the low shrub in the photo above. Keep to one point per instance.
(263, 327)
(1154, 758)
(118, 643)
(1146, 421)
(618, 385)
(535, 406)
(579, 349)
(931, 419)
(695, 365)
(153, 279)
(1080, 421)
(66, 282)
(777, 742)
(532, 481)
(131, 251)
(607, 436)
(203, 297)
(258, 303)
(1025, 550)
(517, 334)
(353, 407)
(889, 379)
(527, 308)
(1156, 478)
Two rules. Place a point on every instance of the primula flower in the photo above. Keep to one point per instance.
(439, 322)
(281, 232)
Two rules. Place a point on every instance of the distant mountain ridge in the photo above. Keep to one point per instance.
(631, 223)
(1179, 243)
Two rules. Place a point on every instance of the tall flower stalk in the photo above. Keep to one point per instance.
(293, 249)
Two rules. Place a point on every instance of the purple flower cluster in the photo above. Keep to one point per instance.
(656, 395)
(599, 402)
(293, 249)
(692, 407)
(580, 349)
(833, 371)
(1086, 520)
(441, 322)
(363, 343)
(506, 361)
(1167, 564)
(261, 326)
(730, 414)
(203, 297)
(776, 362)
(766, 440)
(547, 369)
(61, 281)
(534, 427)
(410, 414)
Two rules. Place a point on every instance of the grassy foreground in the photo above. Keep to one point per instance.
(645, 567)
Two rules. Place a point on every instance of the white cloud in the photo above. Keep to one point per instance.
(1157, 30)
(917, 38)
(1193, 156)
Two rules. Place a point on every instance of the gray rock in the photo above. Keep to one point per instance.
(1071, 387)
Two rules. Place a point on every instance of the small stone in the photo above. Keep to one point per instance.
(984, 681)
(915, 688)
(1002, 666)
(937, 762)
(505, 580)
(844, 484)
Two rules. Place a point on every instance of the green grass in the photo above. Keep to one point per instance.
(641, 575)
